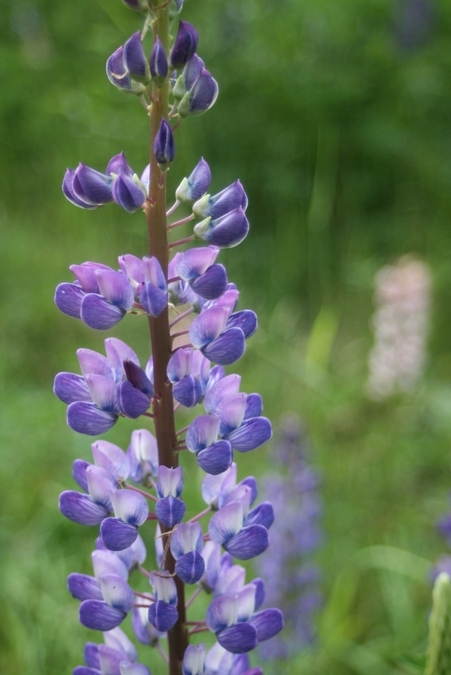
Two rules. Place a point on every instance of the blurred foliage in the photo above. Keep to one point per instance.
(335, 115)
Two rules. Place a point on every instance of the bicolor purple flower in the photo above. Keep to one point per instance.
(225, 201)
(169, 508)
(196, 185)
(101, 659)
(143, 454)
(229, 528)
(213, 456)
(163, 612)
(89, 189)
(219, 660)
(186, 547)
(184, 46)
(194, 660)
(109, 386)
(197, 267)
(130, 510)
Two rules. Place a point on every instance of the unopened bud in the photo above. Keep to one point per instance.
(164, 147)
(200, 97)
(193, 187)
(135, 60)
(158, 64)
(184, 46)
(118, 75)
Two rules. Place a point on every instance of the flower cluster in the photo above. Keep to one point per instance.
(196, 331)
(400, 323)
(297, 506)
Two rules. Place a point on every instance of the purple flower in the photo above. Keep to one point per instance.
(158, 64)
(196, 185)
(200, 97)
(164, 146)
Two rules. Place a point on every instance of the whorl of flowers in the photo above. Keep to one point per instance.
(196, 330)
(400, 324)
(292, 489)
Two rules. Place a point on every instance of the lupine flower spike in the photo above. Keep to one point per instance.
(135, 497)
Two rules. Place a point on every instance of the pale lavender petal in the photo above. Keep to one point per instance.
(212, 486)
(179, 364)
(164, 587)
(111, 457)
(117, 639)
(85, 274)
(101, 485)
(93, 362)
(230, 580)
(202, 432)
(226, 522)
(130, 506)
(154, 273)
(118, 164)
(116, 288)
(116, 592)
(231, 411)
(70, 387)
(109, 660)
(79, 473)
(106, 562)
(85, 670)
(117, 350)
(68, 299)
(195, 262)
(187, 537)
(132, 267)
(169, 481)
(224, 388)
(222, 612)
(208, 326)
(103, 393)
(87, 418)
(129, 668)
(194, 660)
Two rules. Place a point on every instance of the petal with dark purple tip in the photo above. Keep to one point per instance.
(95, 186)
(187, 391)
(231, 411)
(137, 377)
(118, 164)
(163, 616)
(97, 313)
(135, 60)
(248, 543)
(84, 587)
(87, 418)
(170, 511)
(222, 612)
(127, 194)
(215, 459)
(254, 406)
(238, 639)
(98, 615)
(103, 393)
(80, 508)
(68, 299)
(251, 434)
(246, 320)
(263, 514)
(153, 299)
(184, 46)
(227, 348)
(190, 567)
(133, 402)
(219, 391)
(70, 387)
(195, 262)
(117, 535)
(268, 623)
(212, 284)
(68, 191)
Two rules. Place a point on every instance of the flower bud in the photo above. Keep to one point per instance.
(196, 185)
(200, 97)
(175, 7)
(158, 64)
(184, 46)
(137, 5)
(164, 147)
(118, 75)
(134, 59)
